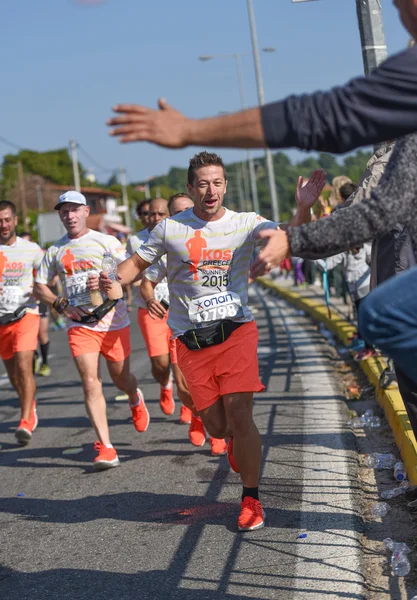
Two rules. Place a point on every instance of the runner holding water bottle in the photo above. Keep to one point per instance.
(98, 325)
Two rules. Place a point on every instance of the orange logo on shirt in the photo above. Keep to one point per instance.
(212, 259)
(72, 266)
(3, 261)
(13, 268)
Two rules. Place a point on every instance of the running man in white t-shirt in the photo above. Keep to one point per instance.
(19, 316)
(156, 333)
(208, 252)
(77, 259)
(151, 278)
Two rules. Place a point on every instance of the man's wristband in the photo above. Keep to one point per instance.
(60, 304)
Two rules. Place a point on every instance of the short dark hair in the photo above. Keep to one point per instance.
(140, 205)
(347, 190)
(204, 159)
(172, 198)
(5, 204)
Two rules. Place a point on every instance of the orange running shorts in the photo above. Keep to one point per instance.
(19, 336)
(113, 345)
(156, 333)
(227, 368)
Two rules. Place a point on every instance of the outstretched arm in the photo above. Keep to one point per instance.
(128, 271)
(367, 110)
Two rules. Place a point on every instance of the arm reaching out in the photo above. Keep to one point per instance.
(128, 271)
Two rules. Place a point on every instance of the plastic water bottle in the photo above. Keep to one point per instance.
(380, 461)
(399, 471)
(379, 509)
(95, 296)
(394, 492)
(366, 420)
(109, 266)
(399, 561)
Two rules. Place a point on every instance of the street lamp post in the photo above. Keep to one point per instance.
(252, 174)
(268, 155)
(371, 28)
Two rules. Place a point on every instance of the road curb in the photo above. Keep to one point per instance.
(390, 400)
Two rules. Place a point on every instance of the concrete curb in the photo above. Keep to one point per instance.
(390, 400)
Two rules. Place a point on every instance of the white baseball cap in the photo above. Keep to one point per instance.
(71, 196)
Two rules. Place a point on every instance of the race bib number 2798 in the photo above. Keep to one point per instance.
(216, 307)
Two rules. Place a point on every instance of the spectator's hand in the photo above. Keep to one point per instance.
(155, 309)
(306, 196)
(165, 127)
(276, 249)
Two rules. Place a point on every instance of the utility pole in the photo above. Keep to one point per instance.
(75, 168)
(268, 155)
(39, 197)
(371, 28)
(122, 175)
(252, 173)
(22, 192)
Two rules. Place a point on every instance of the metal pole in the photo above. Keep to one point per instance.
(22, 192)
(122, 174)
(252, 173)
(39, 197)
(371, 27)
(268, 155)
(75, 169)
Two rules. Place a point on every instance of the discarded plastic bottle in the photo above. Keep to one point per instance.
(380, 461)
(374, 422)
(399, 471)
(366, 420)
(394, 492)
(109, 266)
(399, 561)
(380, 509)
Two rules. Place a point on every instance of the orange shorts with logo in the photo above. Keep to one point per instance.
(19, 336)
(227, 368)
(156, 333)
(113, 345)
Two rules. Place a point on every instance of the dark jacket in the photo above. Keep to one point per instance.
(367, 110)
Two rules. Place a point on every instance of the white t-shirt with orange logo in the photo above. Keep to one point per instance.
(161, 290)
(18, 264)
(73, 260)
(207, 266)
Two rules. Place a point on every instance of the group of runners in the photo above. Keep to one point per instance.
(189, 268)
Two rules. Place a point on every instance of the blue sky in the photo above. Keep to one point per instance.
(65, 64)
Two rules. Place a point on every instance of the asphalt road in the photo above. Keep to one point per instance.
(163, 524)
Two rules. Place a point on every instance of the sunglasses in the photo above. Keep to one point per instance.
(145, 213)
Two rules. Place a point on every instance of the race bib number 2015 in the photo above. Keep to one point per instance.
(216, 307)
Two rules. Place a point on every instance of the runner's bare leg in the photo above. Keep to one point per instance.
(20, 372)
(160, 369)
(95, 403)
(247, 445)
(124, 379)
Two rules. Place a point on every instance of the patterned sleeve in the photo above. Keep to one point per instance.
(155, 247)
(156, 272)
(259, 224)
(47, 267)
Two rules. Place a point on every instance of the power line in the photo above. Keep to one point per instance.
(95, 163)
(9, 143)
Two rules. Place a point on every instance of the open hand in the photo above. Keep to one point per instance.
(276, 249)
(74, 313)
(165, 127)
(306, 196)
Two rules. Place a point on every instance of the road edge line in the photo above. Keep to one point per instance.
(390, 400)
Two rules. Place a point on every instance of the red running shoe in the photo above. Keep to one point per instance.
(106, 459)
(140, 414)
(232, 462)
(185, 415)
(218, 446)
(251, 515)
(166, 400)
(25, 428)
(197, 433)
